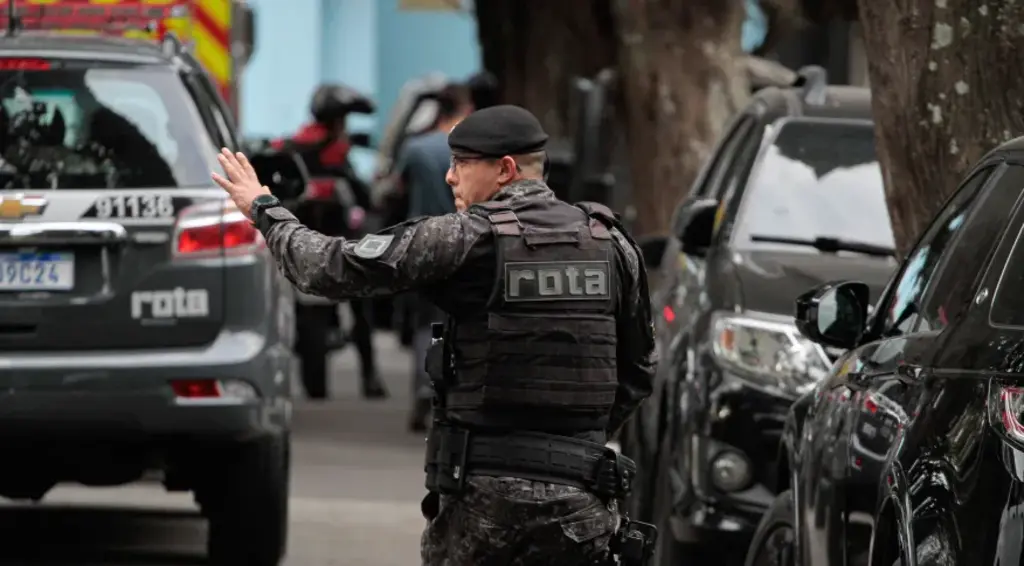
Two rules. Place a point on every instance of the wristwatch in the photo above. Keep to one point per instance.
(259, 205)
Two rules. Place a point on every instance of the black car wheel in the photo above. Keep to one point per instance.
(247, 503)
(316, 325)
(774, 542)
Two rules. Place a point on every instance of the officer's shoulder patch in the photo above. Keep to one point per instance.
(373, 246)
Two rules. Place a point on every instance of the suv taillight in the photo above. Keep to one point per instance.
(213, 228)
(1006, 411)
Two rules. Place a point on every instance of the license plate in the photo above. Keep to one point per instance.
(37, 272)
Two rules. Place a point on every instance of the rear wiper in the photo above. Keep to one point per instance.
(831, 245)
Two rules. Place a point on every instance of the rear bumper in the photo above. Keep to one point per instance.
(129, 393)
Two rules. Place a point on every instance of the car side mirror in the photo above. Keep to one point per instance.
(283, 172)
(834, 314)
(695, 225)
(653, 250)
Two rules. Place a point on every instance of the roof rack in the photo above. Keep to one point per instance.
(812, 80)
(171, 45)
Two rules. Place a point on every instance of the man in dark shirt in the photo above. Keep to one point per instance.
(549, 356)
(423, 165)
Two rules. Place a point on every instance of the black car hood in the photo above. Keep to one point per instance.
(770, 281)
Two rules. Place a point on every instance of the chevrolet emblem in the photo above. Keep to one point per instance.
(19, 206)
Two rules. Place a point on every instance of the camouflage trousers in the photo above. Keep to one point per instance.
(516, 522)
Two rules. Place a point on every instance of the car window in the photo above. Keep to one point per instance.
(952, 288)
(818, 179)
(735, 180)
(710, 183)
(903, 310)
(1008, 300)
(68, 125)
(221, 121)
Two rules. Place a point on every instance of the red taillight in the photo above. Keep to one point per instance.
(21, 64)
(196, 388)
(668, 313)
(1006, 411)
(206, 229)
(1009, 407)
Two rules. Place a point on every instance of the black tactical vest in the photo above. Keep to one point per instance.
(541, 356)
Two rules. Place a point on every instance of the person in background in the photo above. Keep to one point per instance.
(422, 166)
(483, 89)
(330, 107)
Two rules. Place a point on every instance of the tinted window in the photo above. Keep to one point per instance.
(904, 308)
(710, 183)
(79, 125)
(952, 289)
(817, 179)
(1008, 303)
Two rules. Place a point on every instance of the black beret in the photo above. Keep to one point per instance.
(497, 131)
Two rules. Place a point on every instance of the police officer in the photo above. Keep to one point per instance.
(549, 343)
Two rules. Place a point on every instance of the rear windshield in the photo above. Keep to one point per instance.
(818, 179)
(77, 125)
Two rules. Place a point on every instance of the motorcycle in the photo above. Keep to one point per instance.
(327, 202)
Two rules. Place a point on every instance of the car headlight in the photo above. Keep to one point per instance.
(768, 353)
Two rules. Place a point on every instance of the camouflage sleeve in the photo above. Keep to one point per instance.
(637, 357)
(406, 256)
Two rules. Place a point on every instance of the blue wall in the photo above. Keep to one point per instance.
(367, 44)
(284, 69)
(411, 44)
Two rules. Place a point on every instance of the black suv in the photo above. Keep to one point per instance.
(792, 196)
(911, 451)
(143, 323)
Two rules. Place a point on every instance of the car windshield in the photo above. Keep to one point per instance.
(80, 125)
(817, 188)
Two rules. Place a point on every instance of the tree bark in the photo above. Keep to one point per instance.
(945, 81)
(682, 77)
(535, 47)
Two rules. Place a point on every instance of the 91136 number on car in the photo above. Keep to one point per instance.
(145, 206)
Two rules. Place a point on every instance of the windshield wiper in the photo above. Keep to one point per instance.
(831, 245)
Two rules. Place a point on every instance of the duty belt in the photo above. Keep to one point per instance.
(455, 452)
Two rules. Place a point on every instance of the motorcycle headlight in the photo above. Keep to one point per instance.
(768, 353)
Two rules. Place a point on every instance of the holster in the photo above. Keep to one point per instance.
(447, 450)
(444, 462)
(633, 544)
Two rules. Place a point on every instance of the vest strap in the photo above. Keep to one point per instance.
(505, 223)
(601, 218)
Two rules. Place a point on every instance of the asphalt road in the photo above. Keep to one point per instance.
(356, 485)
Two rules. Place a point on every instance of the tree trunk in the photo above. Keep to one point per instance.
(682, 77)
(535, 47)
(945, 82)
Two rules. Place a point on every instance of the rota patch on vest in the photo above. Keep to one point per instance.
(557, 281)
